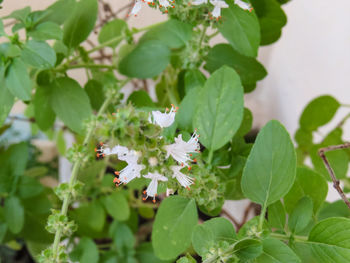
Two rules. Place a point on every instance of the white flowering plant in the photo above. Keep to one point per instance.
(161, 140)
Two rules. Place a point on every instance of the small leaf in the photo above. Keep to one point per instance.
(85, 252)
(45, 31)
(38, 54)
(172, 33)
(70, 103)
(17, 80)
(20, 14)
(117, 206)
(301, 215)
(193, 79)
(271, 166)
(271, 18)
(248, 68)
(140, 99)
(6, 98)
(276, 215)
(111, 30)
(14, 214)
(78, 27)
(147, 60)
(184, 116)
(220, 108)
(44, 115)
(319, 112)
(241, 29)
(307, 183)
(29, 187)
(277, 252)
(95, 91)
(248, 249)
(208, 234)
(145, 254)
(172, 229)
(335, 209)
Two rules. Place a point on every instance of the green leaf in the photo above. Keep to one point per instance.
(140, 99)
(17, 80)
(220, 108)
(173, 225)
(111, 30)
(20, 14)
(29, 187)
(184, 116)
(335, 209)
(172, 33)
(95, 91)
(14, 214)
(117, 206)
(38, 54)
(307, 183)
(122, 236)
(275, 251)
(70, 103)
(45, 31)
(44, 115)
(85, 252)
(6, 98)
(248, 249)
(206, 235)
(248, 68)
(271, 18)
(78, 27)
(301, 215)
(193, 79)
(145, 254)
(60, 11)
(147, 60)
(276, 215)
(329, 241)
(247, 123)
(271, 166)
(319, 112)
(241, 29)
(19, 154)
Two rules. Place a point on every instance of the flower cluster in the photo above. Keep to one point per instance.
(165, 4)
(181, 152)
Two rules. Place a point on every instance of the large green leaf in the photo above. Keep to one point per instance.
(205, 236)
(172, 229)
(275, 251)
(220, 108)
(14, 214)
(329, 241)
(172, 33)
(271, 166)
(60, 11)
(271, 18)
(111, 30)
(117, 206)
(248, 68)
(38, 54)
(319, 112)
(70, 103)
(6, 98)
(301, 215)
(147, 60)
(44, 115)
(45, 31)
(307, 183)
(241, 29)
(78, 27)
(17, 80)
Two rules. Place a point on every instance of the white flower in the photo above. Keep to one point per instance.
(218, 4)
(130, 172)
(136, 8)
(244, 5)
(115, 150)
(122, 152)
(153, 185)
(153, 161)
(181, 150)
(164, 3)
(199, 2)
(183, 179)
(164, 119)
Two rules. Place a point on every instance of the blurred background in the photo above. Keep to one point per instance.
(311, 58)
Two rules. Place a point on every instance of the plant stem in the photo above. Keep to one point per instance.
(66, 67)
(74, 175)
(287, 238)
(262, 217)
(210, 156)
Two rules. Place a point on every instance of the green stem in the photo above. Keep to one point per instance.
(74, 175)
(287, 238)
(67, 67)
(203, 36)
(210, 156)
(262, 218)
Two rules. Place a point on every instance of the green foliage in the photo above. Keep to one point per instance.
(271, 166)
(111, 30)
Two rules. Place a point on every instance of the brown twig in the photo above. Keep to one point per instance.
(234, 221)
(336, 185)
